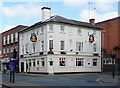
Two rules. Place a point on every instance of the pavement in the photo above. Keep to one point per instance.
(110, 80)
(106, 79)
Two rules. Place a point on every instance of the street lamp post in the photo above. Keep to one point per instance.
(102, 48)
(113, 59)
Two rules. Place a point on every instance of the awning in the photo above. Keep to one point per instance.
(5, 60)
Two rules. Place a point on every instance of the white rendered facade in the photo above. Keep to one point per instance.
(50, 63)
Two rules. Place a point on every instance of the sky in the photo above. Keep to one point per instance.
(22, 12)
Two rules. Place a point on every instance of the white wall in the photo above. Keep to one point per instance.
(71, 33)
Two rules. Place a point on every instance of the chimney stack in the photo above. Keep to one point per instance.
(46, 13)
(92, 21)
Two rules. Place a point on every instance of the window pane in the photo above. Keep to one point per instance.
(79, 31)
(62, 61)
(51, 27)
(94, 47)
(62, 28)
(16, 36)
(7, 39)
(62, 45)
(12, 38)
(51, 44)
(79, 62)
(79, 46)
(94, 62)
(42, 45)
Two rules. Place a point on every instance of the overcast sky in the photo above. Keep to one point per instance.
(26, 13)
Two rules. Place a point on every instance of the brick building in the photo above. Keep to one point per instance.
(111, 29)
(10, 40)
(0, 51)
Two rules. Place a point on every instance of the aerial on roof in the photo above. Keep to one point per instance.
(59, 19)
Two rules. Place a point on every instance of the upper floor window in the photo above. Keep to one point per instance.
(79, 61)
(62, 28)
(79, 46)
(16, 47)
(62, 45)
(42, 45)
(16, 36)
(42, 29)
(7, 49)
(79, 31)
(11, 49)
(7, 39)
(51, 44)
(33, 47)
(51, 27)
(4, 51)
(94, 47)
(12, 38)
(94, 62)
(26, 48)
(4, 40)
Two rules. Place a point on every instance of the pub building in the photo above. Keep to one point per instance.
(60, 45)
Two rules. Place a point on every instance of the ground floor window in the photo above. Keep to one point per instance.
(108, 61)
(37, 62)
(42, 62)
(29, 62)
(33, 62)
(79, 61)
(94, 62)
(62, 61)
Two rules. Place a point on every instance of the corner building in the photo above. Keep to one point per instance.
(60, 45)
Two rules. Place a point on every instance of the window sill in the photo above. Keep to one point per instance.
(50, 31)
(79, 34)
(62, 32)
(41, 33)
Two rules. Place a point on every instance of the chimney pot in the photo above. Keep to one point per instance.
(92, 21)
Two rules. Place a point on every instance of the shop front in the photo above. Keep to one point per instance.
(5, 64)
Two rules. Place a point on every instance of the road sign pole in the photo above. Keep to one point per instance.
(13, 76)
(10, 76)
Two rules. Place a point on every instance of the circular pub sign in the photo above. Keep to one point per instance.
(33, 38)
(91, 38)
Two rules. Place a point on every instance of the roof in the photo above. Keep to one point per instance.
(60, 19)
(14, 28)
(109, 20)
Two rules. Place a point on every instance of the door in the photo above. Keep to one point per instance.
(22, 66)
(51, 67)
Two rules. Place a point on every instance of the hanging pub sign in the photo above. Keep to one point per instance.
(91, 38)
(33, 38)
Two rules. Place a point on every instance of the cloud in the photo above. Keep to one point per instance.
(7, 28)
(75, 2)
(101, 5)
(84, 16)
(104, 6)
(25, 11)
